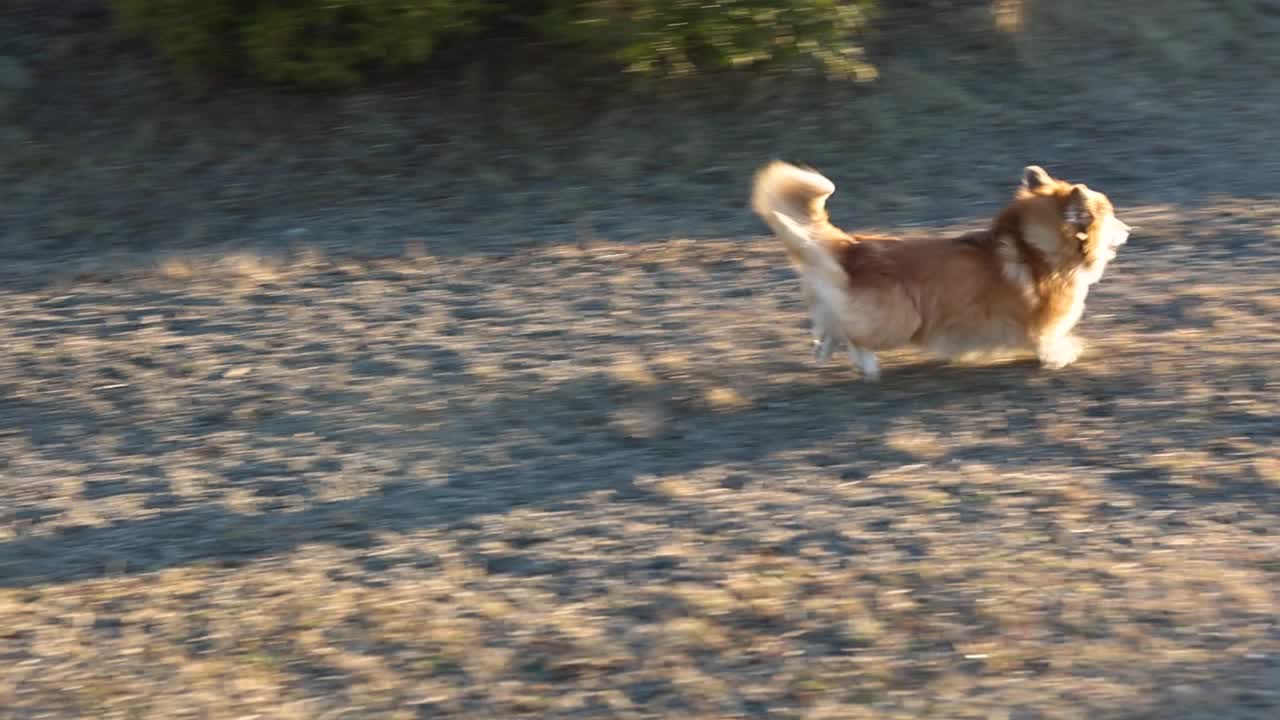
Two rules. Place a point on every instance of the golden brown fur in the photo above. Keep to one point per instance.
(1019, 284)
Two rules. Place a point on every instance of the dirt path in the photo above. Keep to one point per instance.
(607, 481)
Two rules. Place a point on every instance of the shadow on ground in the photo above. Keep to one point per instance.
(549, 448)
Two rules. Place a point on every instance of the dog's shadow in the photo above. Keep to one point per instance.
(1011, 415)
(842, 416)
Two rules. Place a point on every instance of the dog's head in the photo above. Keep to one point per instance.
(1073, 227)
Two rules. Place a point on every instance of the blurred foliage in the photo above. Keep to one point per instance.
(679, 37)
(340, 43)
(311, 43)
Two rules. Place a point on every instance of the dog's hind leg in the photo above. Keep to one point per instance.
(866, 362)
(823, 345)
(825, 327)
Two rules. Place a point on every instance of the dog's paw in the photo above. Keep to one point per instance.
(823, 347)
(1060, 352)
(867, 363)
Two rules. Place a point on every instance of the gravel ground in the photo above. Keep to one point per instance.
(374, 408)
(584, 482)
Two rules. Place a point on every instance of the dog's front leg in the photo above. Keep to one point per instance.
(1058, 350)
(1056, 346)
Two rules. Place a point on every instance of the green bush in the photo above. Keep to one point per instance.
(679, 37)
(335, 43)
(311, 43)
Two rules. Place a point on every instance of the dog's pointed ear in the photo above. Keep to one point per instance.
(1034, 176)
(1076, 211)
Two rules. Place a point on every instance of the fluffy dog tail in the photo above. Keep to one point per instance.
(790, 198)
(793, 203)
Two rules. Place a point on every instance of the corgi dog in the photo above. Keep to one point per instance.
(1017, 286)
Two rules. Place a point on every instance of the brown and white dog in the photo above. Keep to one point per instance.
(1018, 285)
